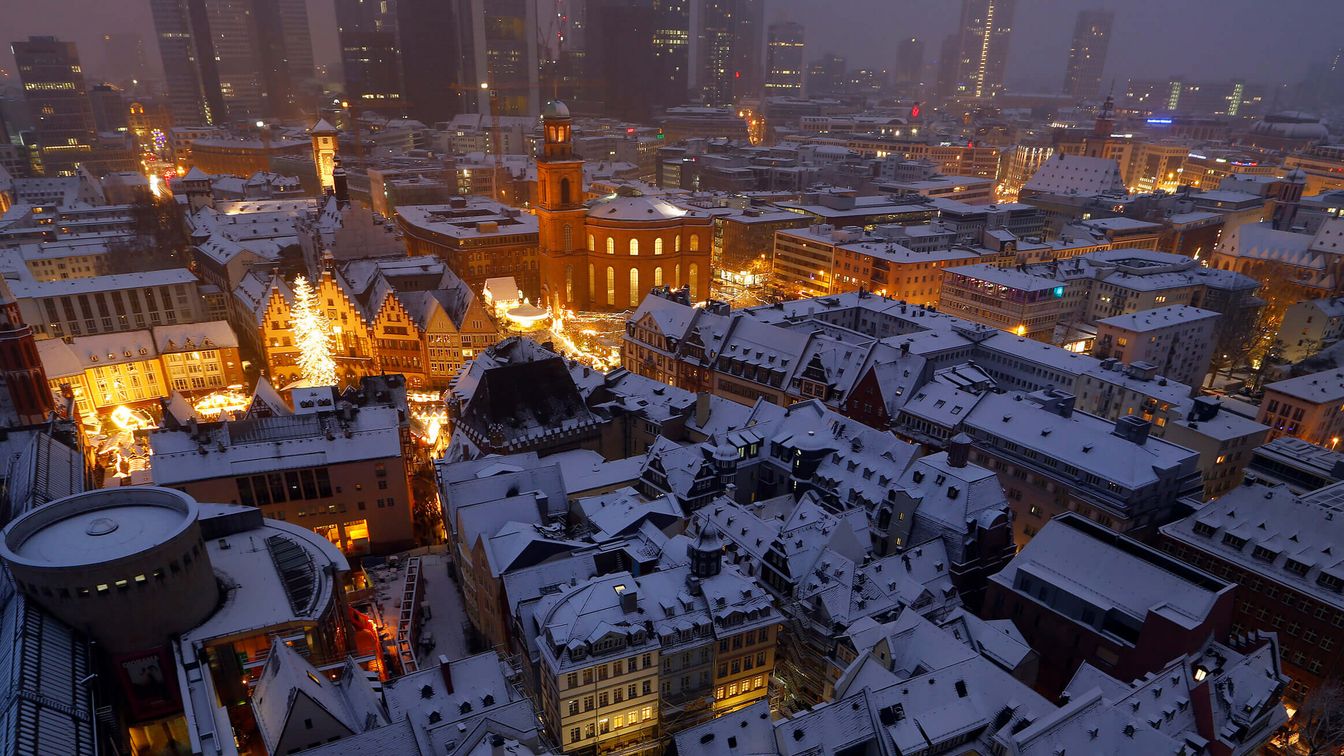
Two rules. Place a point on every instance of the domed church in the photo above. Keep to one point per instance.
(607, 254)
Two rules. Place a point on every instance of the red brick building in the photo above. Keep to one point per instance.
(1081, 592)
(1285, 553)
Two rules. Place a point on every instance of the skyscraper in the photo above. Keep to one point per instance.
(985, 28)
(725, 49)
(784, 59)
(53, 88)
(285, 50)
(1087, 56)
(370, 58)
(433, 86)
(232, 59)
(671, 50)
(826, 75)
(908, 71)
(124, 57)
(499, 49)
(193, 82)
(622, 76)
(109, 108)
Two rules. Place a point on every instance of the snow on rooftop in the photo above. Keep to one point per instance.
(1108, 578)
(1145, 321)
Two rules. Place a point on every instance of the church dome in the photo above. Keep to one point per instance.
(555, 109)
(635, 209)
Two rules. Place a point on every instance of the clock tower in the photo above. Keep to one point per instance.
(561, 215)
(324, 154)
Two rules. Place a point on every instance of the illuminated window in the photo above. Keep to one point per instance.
(611, 246)
(634, 287)
(611, 285)
(568, 237)
(676, 243)
(695, 242)
(694, 280)
(592, 280)
(592, 243)
(658, 276)
(569, 282)
(676, 275)
(658, 246)
(634, 247)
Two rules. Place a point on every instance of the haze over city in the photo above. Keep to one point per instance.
(1199, 38)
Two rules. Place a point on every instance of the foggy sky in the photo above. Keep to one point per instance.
(1259, 40)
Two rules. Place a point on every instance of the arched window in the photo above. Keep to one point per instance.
(564, 192)
(568, 236)
(592, 243)
(634, 247)
(695, 278)
(658, 276)
(695, 242)
(676, 243)
(611, 246)
(569, 283)
(676, 275)
(634, 287)
(611, 285)
(658, 246)
(592, 282)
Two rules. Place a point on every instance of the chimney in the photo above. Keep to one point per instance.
(959, 451)
(340, 184)
(629, 598)
(702, 400)
(1133, 429)
(446, 670)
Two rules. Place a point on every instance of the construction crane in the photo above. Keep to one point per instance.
(496, 142)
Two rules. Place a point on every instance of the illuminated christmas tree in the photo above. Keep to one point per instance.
(312, 335)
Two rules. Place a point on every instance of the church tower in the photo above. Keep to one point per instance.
(565, 278)
(324, 153)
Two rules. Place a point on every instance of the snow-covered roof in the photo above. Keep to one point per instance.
(187, 337)
(263, 444)
(636, 209)
(256, 595)
(1076, 174)
(99, 526)
(1083, 441)
(287, 677)
(1325, 387)
(1109, 578)
(93, 284)
(1157, 319)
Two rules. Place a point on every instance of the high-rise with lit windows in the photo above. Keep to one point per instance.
(499, 51)
(982, 47)
(1087, 56)
(232, 59)
(784, 59)
(725, 49)
(53, 87)
(370, 59)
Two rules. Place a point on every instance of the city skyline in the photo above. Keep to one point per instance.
(1248, 48)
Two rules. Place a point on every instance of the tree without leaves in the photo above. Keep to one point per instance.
(158, 238)
(1319, 724)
